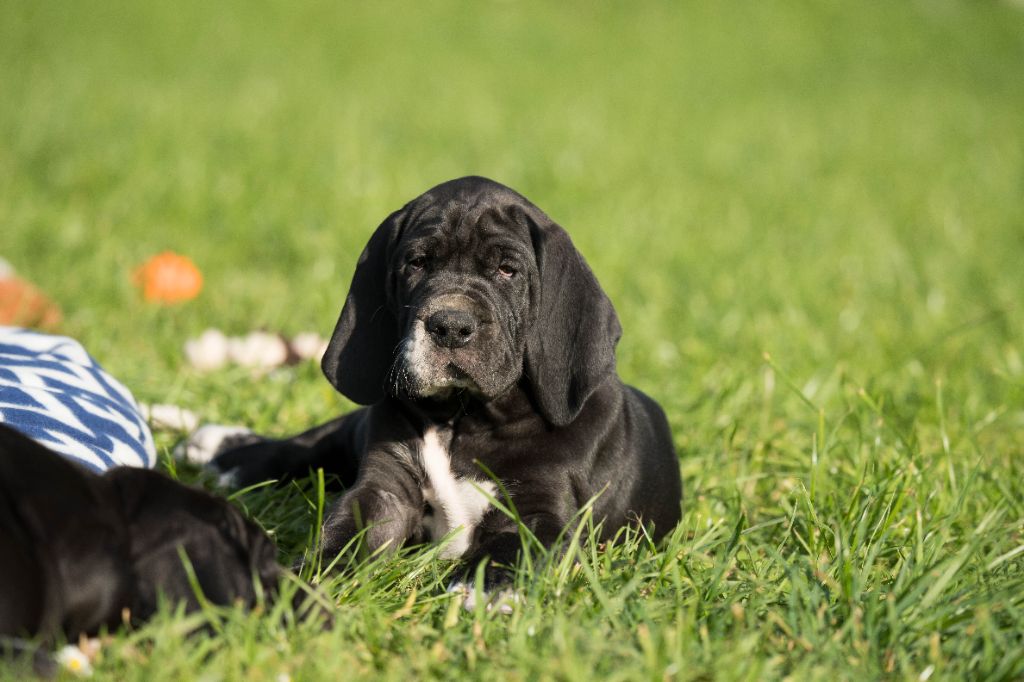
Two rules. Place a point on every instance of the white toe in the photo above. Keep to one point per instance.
(208, 441)
(503, 602)
(169, 417)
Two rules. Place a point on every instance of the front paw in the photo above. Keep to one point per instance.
(495, 582)
(501, 599)
(245, 464)
(210, 440)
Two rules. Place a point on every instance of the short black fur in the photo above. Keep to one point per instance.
(79, 552)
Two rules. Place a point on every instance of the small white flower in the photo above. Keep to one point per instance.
(72, 659)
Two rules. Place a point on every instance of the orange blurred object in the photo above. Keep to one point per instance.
(22, 305)
(168, 278)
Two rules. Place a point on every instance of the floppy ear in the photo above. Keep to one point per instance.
(363, 345)
(166, 517)
(571, 345)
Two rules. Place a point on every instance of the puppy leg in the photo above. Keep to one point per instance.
(387, 503)
(329, 446)
(500, 549)
(389, 519)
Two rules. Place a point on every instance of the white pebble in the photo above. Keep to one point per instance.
(260, 350)
(209, 351)
(309, 346)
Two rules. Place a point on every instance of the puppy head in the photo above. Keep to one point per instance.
(226, 551)
(464, 289)
(62, 544)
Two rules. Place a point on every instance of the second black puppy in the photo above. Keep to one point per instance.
(80, 551)
(479, 336)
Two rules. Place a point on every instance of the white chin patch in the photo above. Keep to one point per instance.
(458, 503)
(415, 350)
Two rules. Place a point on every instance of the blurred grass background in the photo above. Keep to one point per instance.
(836, 184)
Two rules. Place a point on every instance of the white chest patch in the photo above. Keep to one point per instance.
(458, 503)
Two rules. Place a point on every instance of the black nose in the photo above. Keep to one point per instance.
(451, 328)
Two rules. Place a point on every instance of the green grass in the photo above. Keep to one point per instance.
(838, 185)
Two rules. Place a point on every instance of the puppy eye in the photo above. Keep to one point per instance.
(506, 270)
(417, 262)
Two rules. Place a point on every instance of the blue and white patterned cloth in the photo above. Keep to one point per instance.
(54, 392)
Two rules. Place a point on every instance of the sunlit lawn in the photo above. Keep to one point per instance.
(809, 217)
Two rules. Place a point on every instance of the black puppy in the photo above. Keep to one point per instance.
(479, 336)
(79, 551)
